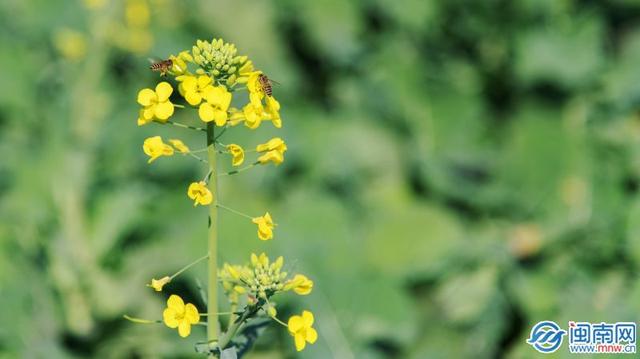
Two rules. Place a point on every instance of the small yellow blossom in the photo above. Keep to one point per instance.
(194, 88)
(265, 227)
(237, 153)
(300, 284)
(217, 103)
(256, 92)
(236, 116)
(272, 156)
(253, 115)
(274, 144)
(199, 193)
(179, 66)
(154, 148)
(301, 330)
(156, 104)
(179, 145)
(181, 316)
(274, 148)
(157, 284)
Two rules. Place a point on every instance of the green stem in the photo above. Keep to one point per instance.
(234, 211)
(231, 331)
(197, 157)
(189, 266)
(212, 296)
(239, 169)
(141, 321)
(185, 126)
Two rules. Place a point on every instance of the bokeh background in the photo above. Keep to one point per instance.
(457, 171)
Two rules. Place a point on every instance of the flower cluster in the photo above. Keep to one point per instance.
(210, 79)
(261, 279)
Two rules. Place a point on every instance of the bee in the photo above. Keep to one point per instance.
(266, 83)
(162, 66)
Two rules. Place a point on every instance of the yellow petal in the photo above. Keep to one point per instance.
(163, 110)
(147, 113)
(256, 98)
(312, 335)
(184, 329)
(169, 318)
(206, 112)
(220, 117)
(146, 97)
(163, 90)
(205, 198)
(307, 317)
(295, 324)
(176, 303)
(225, 100)
(300, 342)
(193, 97)
(203, 81)
(191, 313)
(188, 84)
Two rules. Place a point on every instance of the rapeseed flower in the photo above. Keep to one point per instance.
(199, 193)
(156, 104)
(181, 316)
(265, 226)
(300, 327)
(154, 148)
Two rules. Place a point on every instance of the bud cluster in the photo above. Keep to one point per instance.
(220, 60)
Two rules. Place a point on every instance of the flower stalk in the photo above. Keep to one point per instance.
(212, 297)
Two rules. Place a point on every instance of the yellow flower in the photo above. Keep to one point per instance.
(157, 284)
(193, 88)
(265, 227)
(235, 116)
(179, 67)
(272, 156)
(238, 154)
(156, 104)
(253, 115)
(300, 284)
(154, 148)
(273, 110)
(274, 148)
(274, 144)
(217, 103)
(199, 192)
(301, 330)
(256, 92)
(179, 145)
(181, 316)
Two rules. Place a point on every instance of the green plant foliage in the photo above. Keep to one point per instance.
(458, 171)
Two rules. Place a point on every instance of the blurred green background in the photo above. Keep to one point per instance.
(457, 171)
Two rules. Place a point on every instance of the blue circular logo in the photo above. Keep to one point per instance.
(546, 337)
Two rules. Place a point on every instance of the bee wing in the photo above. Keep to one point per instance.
(274, 82)
(154, 60)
